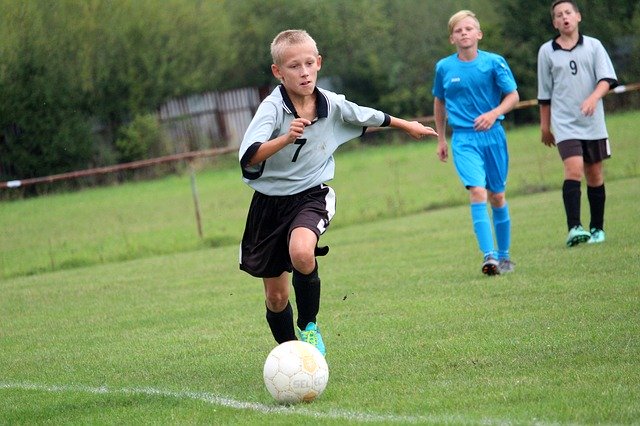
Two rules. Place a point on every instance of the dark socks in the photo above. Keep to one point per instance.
(597, 197)
(281, 324)
(307, 289)
(571, 195)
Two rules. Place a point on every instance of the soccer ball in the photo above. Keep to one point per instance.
(295, 371)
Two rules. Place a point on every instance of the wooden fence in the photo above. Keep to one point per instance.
(209, 120)
(209, 125)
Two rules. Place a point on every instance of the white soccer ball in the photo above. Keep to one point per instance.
(295, 371)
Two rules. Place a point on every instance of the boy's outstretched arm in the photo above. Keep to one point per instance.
(413, 128)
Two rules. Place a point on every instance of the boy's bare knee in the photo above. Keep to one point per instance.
(277, 301)
(497, 200)
(304, 263)
(478, 194)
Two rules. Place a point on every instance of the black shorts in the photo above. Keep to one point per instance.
(592, 151)
(264, 251)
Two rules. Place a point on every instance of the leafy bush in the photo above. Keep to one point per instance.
(142, 138)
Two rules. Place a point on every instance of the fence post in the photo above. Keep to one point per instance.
(196, 200)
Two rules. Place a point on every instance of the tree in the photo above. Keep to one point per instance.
(67, 64)
(44, 132)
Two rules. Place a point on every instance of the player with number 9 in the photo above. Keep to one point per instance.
(574, 74)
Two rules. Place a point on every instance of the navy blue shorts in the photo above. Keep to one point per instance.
(264, 251)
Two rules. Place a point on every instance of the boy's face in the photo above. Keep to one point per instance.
(298, 70)
(565, 18)
(466, 34)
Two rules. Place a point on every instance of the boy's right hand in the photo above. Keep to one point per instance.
(548, 139)
(297, 128)
(442, 151)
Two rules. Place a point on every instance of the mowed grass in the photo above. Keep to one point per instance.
(415, 334)
(157, 217)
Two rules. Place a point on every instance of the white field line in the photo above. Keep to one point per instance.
(209, 398)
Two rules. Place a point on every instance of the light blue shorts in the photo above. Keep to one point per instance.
(481, 158)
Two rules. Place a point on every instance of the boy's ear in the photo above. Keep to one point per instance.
(275, 70)
(319, 62)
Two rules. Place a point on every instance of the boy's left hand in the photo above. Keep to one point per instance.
(484, 121)
(588, 107)
(418, 130)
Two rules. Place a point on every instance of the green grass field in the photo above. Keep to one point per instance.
(112, 311)
(136, 220)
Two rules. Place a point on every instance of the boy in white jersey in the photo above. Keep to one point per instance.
(473, 89)
(574, 73)
(286, 156)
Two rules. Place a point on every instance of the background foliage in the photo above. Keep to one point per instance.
(70, 69)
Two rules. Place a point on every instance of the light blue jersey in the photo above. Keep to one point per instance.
(469, 89)
(309, 161)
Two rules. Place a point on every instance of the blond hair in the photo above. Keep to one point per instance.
(459, 16)
(286, 39)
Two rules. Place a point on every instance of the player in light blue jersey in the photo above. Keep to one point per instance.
(473, 89)
(574, 74)
(286, 156)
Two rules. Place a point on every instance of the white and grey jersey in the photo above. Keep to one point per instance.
(309, 161)
(566, 78)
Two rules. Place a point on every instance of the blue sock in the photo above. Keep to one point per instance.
(502, 225)
(482, 227)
